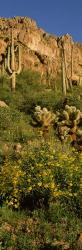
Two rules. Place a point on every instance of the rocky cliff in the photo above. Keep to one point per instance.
(41, 51)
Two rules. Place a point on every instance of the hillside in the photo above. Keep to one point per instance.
(40, 139)
(40, 182)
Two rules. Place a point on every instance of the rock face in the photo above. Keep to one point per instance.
(41, 51)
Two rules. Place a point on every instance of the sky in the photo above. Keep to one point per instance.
(57, 17)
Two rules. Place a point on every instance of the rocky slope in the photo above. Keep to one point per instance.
(41, 51)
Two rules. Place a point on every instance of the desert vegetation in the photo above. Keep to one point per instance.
(41, 165)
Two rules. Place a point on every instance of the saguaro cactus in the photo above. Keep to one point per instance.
(66, 82)
(63, 71)
(70, 80)
(11, 62)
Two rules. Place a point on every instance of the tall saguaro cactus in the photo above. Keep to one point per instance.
(11, 65)
(63, 71)
(67, 81)
(70, 80)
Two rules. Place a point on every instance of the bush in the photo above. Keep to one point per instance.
(14, 126)
(36, 93)
(55, 228)
(75, 98)
(41, 175)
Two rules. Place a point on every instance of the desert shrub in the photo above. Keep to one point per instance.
(28, 77)
(31, 92)
(36, 93)
(1, 156)
(5, 89)
(75, 97)
(40, 175)
(42, 97)
(67, 224)
(14, 125)
(52, 229)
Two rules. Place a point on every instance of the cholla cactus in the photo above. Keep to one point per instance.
(44, 117)
(72, 115)
(79, 133)
(63, 132)
(66, 115)
(69, 123)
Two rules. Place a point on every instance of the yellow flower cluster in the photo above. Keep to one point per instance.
(58, 172)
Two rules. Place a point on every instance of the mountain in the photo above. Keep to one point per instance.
(41, 51)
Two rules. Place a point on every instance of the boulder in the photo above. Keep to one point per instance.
(3, 104)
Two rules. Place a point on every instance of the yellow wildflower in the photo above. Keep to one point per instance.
(52, 185)
(29, 188)
(44, 173)
(80, 155)
(39, 184)
(29, 180)
(46, 185)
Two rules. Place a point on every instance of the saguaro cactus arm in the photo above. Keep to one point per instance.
(19, 67)
(8, 61)
(63, 75)
(12, 53)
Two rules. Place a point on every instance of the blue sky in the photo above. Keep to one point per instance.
(54, 16)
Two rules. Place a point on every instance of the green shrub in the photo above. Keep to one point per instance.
(52, 229)
(40, 175)
(14, 126)
(75, 98)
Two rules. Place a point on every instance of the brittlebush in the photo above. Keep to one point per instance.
(41, 170)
